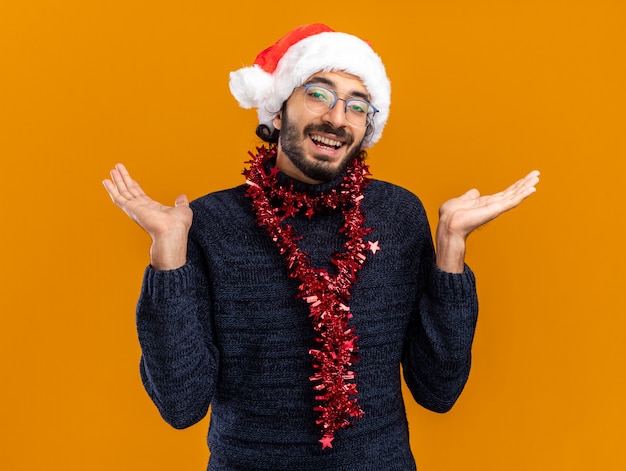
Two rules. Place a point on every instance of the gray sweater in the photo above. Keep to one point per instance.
(226, 331)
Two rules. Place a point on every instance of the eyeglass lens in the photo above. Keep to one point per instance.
(319, 100)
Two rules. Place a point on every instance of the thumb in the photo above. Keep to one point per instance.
(471, 194)
(181, 200)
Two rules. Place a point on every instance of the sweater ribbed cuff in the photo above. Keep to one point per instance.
(159, 285)
(456, 287)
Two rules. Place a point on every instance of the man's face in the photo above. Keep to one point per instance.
(314, 147)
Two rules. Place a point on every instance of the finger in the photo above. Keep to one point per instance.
(129, 184)
(470, 194)
(529, 180)
(523, 189)
(523, 185)
(118, 180)
(181, 200)
(126, 184)
(119, 199)
(111, 189)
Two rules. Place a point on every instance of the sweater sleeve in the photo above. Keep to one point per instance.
(179, 361)
(437, 352)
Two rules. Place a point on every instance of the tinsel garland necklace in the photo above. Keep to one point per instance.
(326, 294)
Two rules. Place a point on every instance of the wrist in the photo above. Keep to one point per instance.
(450, 253)
(169, 253)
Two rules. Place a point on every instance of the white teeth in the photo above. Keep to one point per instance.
(326, 141)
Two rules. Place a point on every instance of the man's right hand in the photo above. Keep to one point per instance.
(168, 226)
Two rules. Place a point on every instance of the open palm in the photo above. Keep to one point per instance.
(460, 216)
(155, 218)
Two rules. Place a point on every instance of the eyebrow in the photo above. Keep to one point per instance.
(325, 81)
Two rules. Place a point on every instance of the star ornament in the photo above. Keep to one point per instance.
(326, 441)
(373, 246)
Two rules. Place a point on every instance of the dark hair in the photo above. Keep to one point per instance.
(369, 130)
(263, 131)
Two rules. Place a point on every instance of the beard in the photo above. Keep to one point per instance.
(315, 168)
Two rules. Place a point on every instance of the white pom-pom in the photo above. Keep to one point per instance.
(250, 86)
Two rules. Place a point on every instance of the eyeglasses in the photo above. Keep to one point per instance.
(320, 100)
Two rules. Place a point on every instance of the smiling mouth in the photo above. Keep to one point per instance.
(325, 142)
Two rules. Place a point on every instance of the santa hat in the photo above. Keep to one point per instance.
(306, 50)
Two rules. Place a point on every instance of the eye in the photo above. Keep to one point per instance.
(319, 93)
(358, 106)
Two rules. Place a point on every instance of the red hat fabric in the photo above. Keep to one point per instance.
(296, 56)
(268, 58)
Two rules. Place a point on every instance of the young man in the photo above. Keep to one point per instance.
(288, 303)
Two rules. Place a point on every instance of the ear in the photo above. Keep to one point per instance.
(278, 120)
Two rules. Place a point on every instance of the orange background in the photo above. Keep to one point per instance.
(483, 91)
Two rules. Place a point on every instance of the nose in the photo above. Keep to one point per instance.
(337, 114)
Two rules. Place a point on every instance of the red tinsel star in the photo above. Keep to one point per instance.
(374, 246)
(326, 441)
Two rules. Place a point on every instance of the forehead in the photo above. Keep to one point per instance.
(341, 82)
